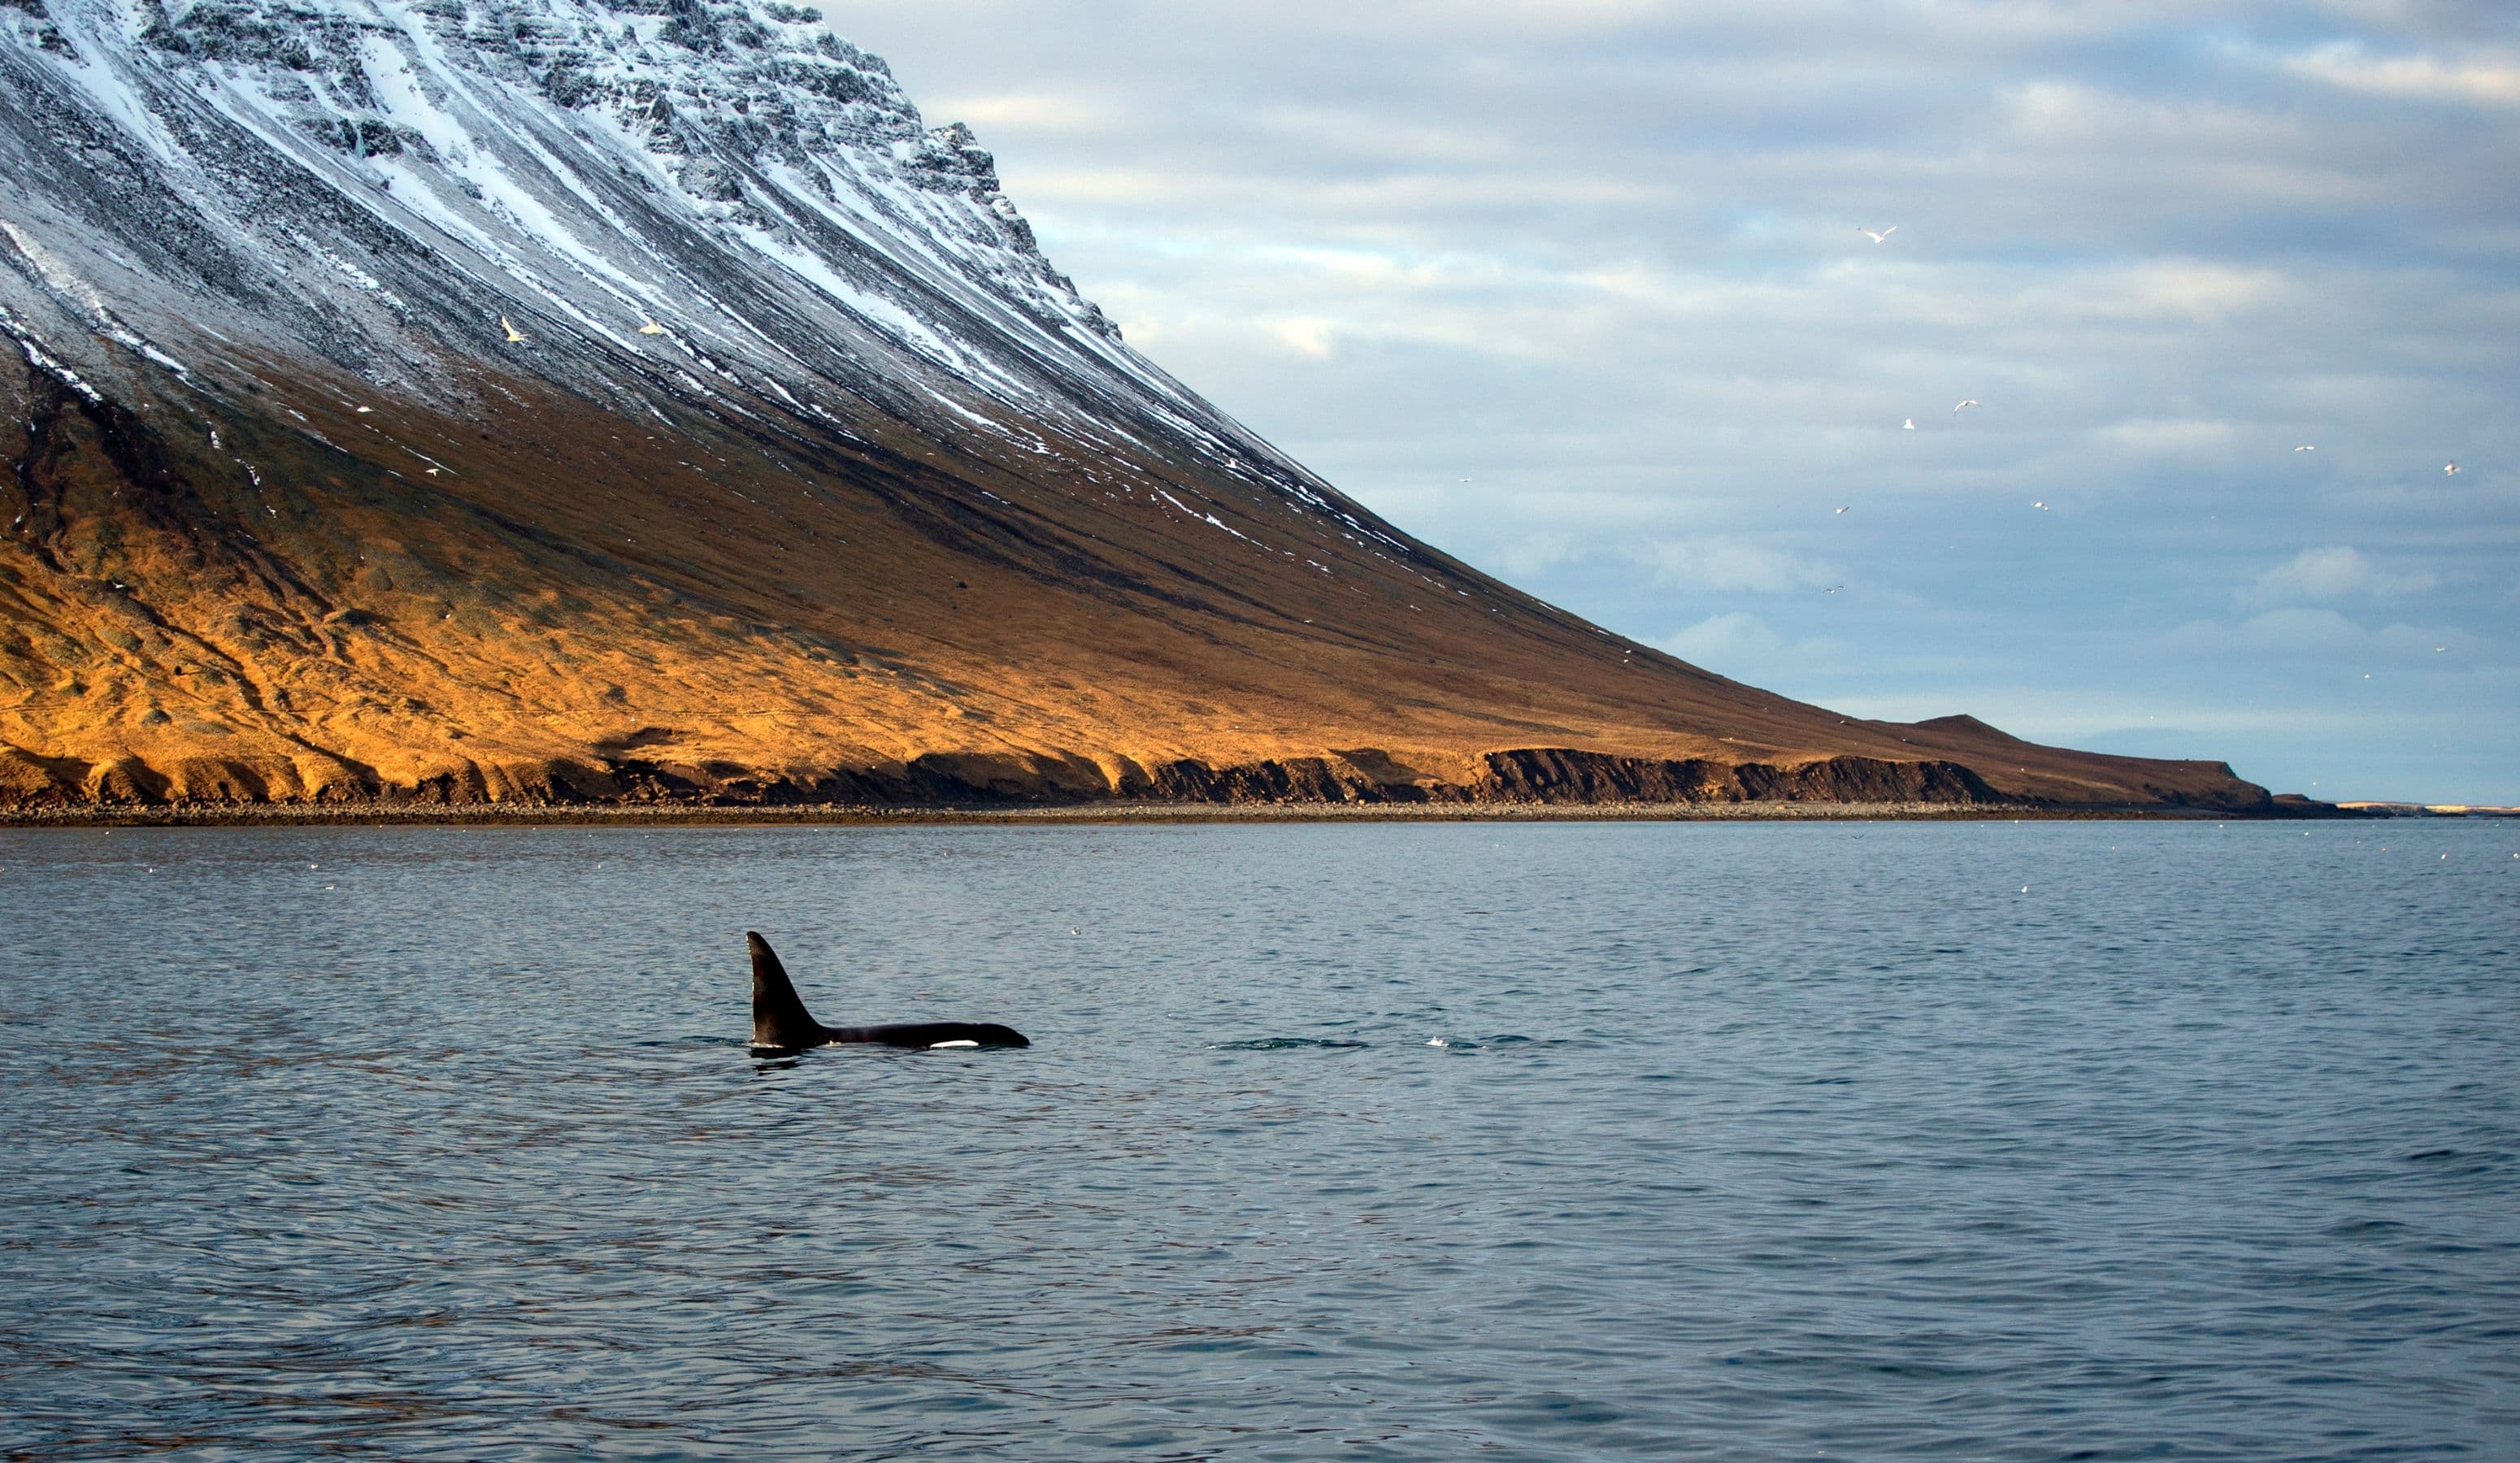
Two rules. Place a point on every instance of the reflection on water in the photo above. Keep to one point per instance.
(1383, 1141)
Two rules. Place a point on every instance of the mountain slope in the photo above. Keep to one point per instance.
(548, 399)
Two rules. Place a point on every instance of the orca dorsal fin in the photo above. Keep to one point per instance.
(779, 1018)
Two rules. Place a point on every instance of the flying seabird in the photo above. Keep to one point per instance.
(1877, 237)
(2042, 507)
(2450, 469)
(1908, 425)
(512, 338)
(1844, 509)
(1973, 401)
(2305, 449)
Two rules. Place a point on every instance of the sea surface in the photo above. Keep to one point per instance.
(1757, 1141)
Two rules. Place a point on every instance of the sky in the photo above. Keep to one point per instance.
(1575, 292)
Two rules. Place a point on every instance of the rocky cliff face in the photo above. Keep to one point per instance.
(552, 399)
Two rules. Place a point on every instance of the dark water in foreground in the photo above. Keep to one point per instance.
(1743, 1142)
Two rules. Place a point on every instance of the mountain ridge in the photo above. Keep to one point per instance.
(570, 401)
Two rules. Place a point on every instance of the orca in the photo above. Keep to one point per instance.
(781, 1022)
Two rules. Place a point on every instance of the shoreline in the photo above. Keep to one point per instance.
(563, 815)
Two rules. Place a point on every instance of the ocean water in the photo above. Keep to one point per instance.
(1984, 1140)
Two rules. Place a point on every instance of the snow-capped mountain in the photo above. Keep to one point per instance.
(476, 399)
(723, 201)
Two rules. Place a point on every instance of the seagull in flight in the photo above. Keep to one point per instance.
(1844, 509)
(649, 327)
(2450, 469)
(1877, 237)
(512, 338)
(2042, 507)
(2305, 449)
(1973, 401)
(1908, 425)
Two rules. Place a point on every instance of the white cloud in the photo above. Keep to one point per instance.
(1030, 111)
(1730, 643)
(1312, 337)
(2303, 630)
(1746, 647)
(2176, 290)
(2173, 439)
(2483, 81)
(2338, 572)
(2079, 115)
(1526, 555)
(1717, 566)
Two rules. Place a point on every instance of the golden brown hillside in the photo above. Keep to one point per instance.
(579, 605)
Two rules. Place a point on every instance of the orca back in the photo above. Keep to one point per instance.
(921, 1034)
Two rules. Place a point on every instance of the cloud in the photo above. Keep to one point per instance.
(1718, 564)
(2301, 631)
(2178, 439)
(2318, 575)
(1312, 337)
(1031, 112)
(2176, 290)
(2483, 81)
(1747, 646)
(1735, 640)
(1527, 556)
